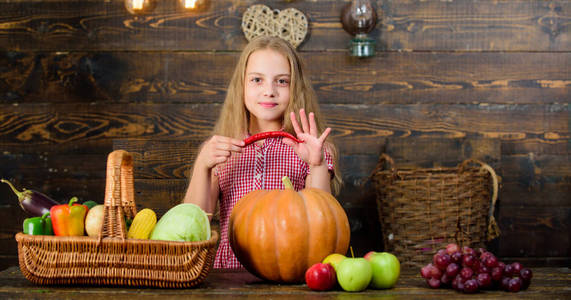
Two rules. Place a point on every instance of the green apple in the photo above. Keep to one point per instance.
(354, 274)
(334, 259)
(386, 270)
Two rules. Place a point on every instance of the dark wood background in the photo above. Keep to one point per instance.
(451, 80)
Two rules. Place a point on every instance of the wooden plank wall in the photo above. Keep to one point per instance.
(451, 80)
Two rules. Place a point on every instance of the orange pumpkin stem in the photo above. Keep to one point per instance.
(287, 183)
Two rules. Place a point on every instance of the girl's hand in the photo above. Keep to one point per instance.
(311, 151)
(217, 150)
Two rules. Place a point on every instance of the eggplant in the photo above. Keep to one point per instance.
(33, 202)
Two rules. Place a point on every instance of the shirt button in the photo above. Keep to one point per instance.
(258, 176)
(259, 155)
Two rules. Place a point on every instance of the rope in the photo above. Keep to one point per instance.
(289, 24)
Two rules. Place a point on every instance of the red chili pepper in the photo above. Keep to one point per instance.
(268, 134)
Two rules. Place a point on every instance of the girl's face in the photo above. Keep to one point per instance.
(266, 89)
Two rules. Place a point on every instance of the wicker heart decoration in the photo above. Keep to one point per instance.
(289, 24)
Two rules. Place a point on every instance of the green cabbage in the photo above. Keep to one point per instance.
(185, 222)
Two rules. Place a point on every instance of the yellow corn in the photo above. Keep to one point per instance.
(142, 225)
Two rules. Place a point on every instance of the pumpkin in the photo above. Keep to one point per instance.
(278, 234)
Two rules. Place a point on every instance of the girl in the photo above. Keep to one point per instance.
(268, 86)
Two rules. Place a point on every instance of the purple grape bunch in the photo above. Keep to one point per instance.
(469, 271)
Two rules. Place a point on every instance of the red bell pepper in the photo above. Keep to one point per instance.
(69, 219)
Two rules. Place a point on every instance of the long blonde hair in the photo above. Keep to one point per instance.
(234, 117)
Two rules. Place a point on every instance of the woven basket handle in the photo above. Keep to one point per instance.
(380, 165)
(119, 197)
(493, 228)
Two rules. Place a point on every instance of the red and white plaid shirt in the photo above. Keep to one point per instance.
(257, 167)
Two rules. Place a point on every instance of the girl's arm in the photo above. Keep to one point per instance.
(203, 189)
(319, 177)
(311, 150)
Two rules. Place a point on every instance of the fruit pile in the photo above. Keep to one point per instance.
(468, 270)
(376, 270)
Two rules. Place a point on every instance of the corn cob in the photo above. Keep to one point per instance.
(142, 225)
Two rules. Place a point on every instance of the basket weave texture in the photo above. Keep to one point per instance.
(422, 210)
(110, 258)
(289, 24)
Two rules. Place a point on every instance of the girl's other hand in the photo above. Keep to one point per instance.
(217, 150)
(311, 151)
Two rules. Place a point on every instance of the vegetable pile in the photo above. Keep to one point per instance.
(184, 222)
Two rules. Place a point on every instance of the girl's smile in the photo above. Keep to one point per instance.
(268, 104)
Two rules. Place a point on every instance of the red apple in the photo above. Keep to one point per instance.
(320, 277)
(368, 255)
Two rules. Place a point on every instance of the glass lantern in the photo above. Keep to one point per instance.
(359, 18)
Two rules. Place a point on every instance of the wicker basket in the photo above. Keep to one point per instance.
(422, 210)
(110, 258)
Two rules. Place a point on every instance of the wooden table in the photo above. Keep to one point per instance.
(548, 283)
